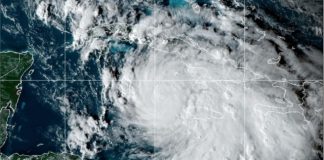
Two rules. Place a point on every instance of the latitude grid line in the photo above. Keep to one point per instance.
(193, 80)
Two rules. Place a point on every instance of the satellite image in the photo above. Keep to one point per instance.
(161, 80)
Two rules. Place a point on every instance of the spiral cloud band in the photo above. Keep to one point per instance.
(204, 80)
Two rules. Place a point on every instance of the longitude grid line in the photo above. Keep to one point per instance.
(0, 45)
(0, 59)
(1, 69)
(65, 86)
(154, 74)
(323, 68)
(244, 78)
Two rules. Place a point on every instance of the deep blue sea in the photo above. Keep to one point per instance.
(38, 125)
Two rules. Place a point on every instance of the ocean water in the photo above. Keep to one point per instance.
(37, 126)
(16, 41)
(280, 18)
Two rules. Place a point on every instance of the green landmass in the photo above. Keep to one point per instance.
(4, 115)
(12, 67)
(45, 156)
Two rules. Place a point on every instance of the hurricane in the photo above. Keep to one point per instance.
(188, 79)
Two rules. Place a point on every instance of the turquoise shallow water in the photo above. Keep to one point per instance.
(178, 3)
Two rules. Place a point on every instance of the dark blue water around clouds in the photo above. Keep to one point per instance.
(37, 124)
(279, 16)
(24, 33)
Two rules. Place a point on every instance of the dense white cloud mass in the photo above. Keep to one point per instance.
(188, 120)
(199, 85)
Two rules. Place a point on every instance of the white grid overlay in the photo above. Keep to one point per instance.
(65, 79)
